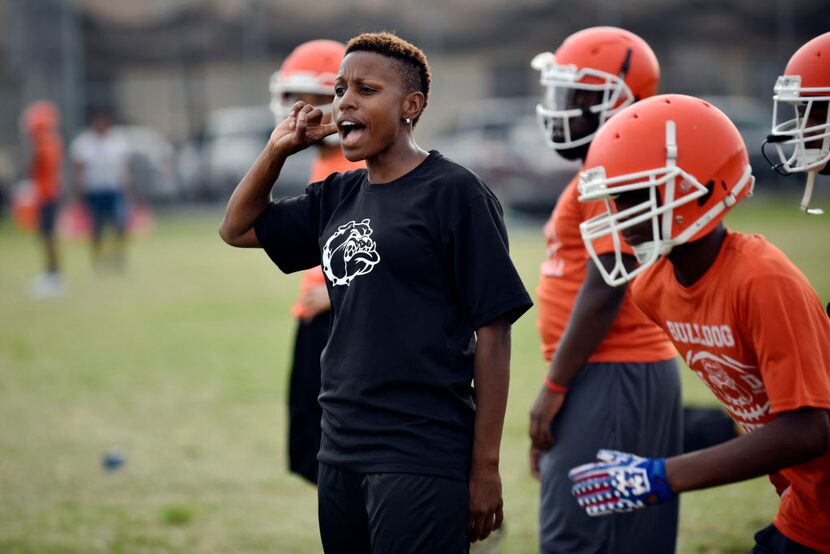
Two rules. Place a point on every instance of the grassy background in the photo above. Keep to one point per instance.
(181, 362)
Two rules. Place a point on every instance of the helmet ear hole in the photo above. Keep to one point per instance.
(710, 186)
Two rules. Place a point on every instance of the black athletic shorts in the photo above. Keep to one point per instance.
(391, 513)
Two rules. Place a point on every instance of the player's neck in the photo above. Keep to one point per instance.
(692, 260)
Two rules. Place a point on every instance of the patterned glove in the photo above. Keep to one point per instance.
(620, 482)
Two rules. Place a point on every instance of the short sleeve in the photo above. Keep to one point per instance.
(485, 278)
(289, 228)
(790, 333)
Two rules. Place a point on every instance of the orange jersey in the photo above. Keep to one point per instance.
(632, 337)
(322, 168)
(755, 331)
(46, 166)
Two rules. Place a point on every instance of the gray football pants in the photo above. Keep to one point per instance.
(632, 407)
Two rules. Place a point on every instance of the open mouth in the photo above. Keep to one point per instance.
(351, 132)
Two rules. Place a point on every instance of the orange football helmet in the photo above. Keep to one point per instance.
(310, 68)
(612, 61)
(802, 137)
(686, 162)
(40, 116)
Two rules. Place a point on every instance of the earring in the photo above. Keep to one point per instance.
(407, 121)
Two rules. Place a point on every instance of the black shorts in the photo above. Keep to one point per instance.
(47, 216)
(769, 540)
(391, 513)
(107, 207)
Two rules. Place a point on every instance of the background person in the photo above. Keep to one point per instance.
(307, 75)
(101, 158)
(801, 136)
(41, 120)
(613, 376)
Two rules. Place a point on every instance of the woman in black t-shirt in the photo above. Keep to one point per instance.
(423, 294)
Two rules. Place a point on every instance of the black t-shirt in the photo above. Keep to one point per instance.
(413, 268)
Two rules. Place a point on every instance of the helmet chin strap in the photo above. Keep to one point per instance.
(652, 249)
(644, 251)
(808, 193)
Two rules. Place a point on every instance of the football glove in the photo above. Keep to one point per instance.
(620, 482)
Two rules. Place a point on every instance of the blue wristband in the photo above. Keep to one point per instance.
(659, 482)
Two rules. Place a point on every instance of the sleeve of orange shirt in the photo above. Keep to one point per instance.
(790, 333)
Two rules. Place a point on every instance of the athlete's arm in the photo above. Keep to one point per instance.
(594, 312)
(299, 130)
(492, 377)
(621, 482)
(790, 439)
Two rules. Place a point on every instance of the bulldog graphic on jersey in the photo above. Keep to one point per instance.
(349, 252)
(736, 384)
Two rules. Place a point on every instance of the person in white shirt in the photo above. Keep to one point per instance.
(100, 157)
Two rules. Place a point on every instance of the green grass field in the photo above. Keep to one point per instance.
(181, 362)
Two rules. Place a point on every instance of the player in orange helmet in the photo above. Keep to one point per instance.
(606, 361)
(307, 75)
(742, 316)
(801, 137)
(40, 120)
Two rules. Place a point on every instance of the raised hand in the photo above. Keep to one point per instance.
(303, 127)
(620, 482)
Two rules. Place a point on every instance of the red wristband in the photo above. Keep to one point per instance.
(553, 387)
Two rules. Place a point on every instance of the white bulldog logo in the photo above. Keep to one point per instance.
(349, 252)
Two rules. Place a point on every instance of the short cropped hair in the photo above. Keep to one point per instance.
(410, 61)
